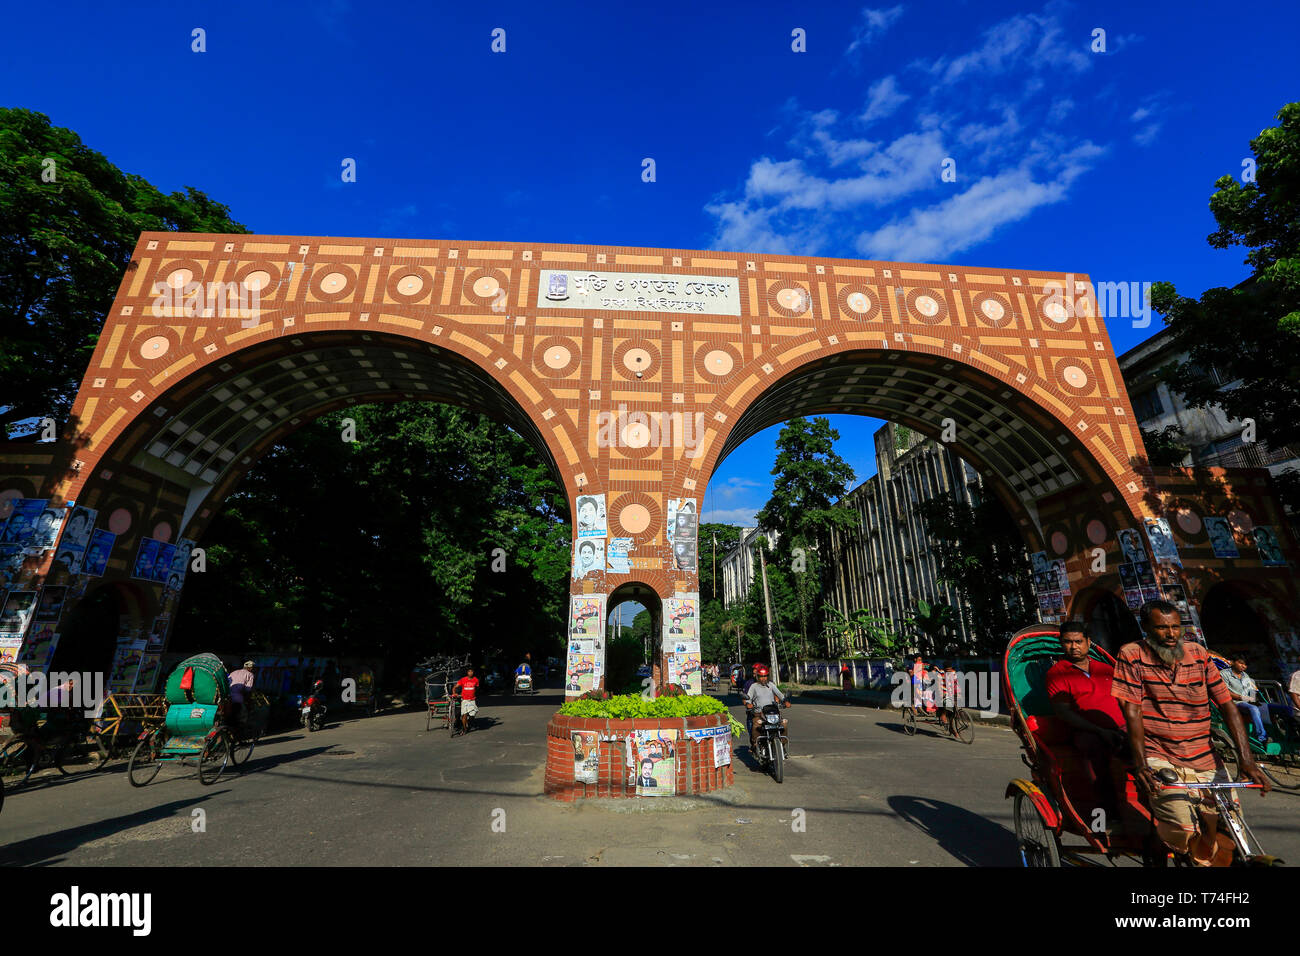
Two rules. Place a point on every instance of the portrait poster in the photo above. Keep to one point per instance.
(684, 669)
(9, 646)
(1045, 602)
(1044, 582)
(97, 552)
(11, 565)
(46, 531)
(77, 529)
(17, 611)
(162, 568)
(1133, 598)
(1145, 575)
(181, 560)
(685, 532)
(50, 605)
(588, 557)
(1162, 540)
(580, 670)
(21, 526)
(586, 755)
(126, 661)
(38, 650)
(618, 555)
(1151, 594)
(146, 558)
(1040, 563)
(655, 756)
(146, 676)
(158, 634)
(679, 619)
(1222, 541)
(1128, 576)
(68, 561)
(1270, 549)
(592, 522)
(584, 616)
(1130, 545)
(686, 506)
(1061, 576)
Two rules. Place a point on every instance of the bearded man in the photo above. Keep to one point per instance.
(1165, 686)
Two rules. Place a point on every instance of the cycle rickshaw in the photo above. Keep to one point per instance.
(1053, 805)
(960, 724)
(200, 725)
(1282, 749)
(44, 737)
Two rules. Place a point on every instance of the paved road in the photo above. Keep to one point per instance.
(382, 791)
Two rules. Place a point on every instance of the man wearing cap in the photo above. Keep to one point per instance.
(759, 695)
(241, 686)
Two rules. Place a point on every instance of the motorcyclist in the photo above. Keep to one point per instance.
(523, 670)
(759, 695)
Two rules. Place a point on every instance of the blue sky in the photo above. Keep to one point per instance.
(1066, 159)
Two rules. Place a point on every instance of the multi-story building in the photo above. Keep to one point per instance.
(886, 563)
(739, 563)
(1214, 439)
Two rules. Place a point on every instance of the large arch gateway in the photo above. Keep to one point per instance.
(633, 371)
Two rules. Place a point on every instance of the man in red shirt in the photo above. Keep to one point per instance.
(1079, 689)
(467, 690)
(1165, 685)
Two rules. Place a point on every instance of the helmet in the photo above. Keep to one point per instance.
(760, 671)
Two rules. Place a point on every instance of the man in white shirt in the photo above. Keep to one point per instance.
(1246, 696)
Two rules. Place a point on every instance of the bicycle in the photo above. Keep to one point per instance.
(43, 742)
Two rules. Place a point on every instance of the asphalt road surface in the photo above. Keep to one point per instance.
(382, 791)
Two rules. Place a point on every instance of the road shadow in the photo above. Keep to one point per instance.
(51, 848)
(968, 837)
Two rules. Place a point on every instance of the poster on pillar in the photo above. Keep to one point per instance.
(1162, 540)
(681, 642)
(586, 755)
(591, 517)
(146, 558)
(162, 568)
(618, 555)
(46, 531)
(9, 646)
(11, 565)
(580, 674)
(1221, 539)
(38, 650)
(683, 530)
(655, 762)
(20, 529)
(97, 552)
(126, 661)
(17, 611)
(1130, 546)
(588, 557)
(1270, 550)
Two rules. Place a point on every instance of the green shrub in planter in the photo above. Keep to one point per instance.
(635, 707)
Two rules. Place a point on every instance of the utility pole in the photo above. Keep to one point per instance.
(767, 611)
(715, 565)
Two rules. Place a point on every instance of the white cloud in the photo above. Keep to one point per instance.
(883, 98)
(873, 26)
(745, 517)
(1026, 40)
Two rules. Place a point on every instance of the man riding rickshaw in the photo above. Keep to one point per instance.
(1144, 785)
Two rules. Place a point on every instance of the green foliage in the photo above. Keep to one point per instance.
(64, 248)
(725, 536)
(1164, 446)
(386, 546)
(634, 706)
(848, 630)
(982, 554)
(1250, 333)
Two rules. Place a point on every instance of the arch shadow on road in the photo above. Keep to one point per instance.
(970, 838)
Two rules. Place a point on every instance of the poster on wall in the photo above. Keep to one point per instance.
(1128, 577)
(580, 671)
(1145, 575)
(1130, 545)
(1221, 539)
(1270, 550)
(38, 651)
(11, 565)
(675, 505)
(50, 605)
(591, 517)
(1133, 598)
(46, 531)
(9, 646)
(97, 552)
(162, 568)
(1162, 540)
(586, 755)
(147, 674)
(158, 634)
(1040, 564)
(679, 618)
(721, 738)
(1060, 576)
(683, 521)
(618, 555)
(584, 616)
(588, 557)
(17, 611)
(655, 753)
(1151, 594)
(146, 558)
(20, 529)
(126, 661)
(77, 529)
(685, 670)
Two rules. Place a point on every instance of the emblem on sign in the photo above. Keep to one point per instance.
(558, 287)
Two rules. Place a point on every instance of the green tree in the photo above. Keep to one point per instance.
(67, 231)
(715, 541)
(932, 621)
(810, 478)
(1165, 446)
(1249, 333)
(982, 555)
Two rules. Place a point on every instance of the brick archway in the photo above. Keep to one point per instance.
(634, 371)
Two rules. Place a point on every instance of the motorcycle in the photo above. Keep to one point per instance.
(771, 741)
(314, 709)
(523, 684)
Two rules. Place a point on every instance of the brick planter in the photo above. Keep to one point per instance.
(695, 770)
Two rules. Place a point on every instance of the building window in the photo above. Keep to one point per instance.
(1148, 405)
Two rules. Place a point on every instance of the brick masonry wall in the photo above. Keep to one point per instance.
(695, 770)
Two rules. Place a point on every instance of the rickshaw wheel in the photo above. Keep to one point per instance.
(1282, 780)
(909, 721)
(1038, 844)
(215, 756)
(145, 761)
(963, 726)
(243, 749)
(99, 756)
(14, 755)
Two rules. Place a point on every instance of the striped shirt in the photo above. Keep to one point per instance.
(1175, 701)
